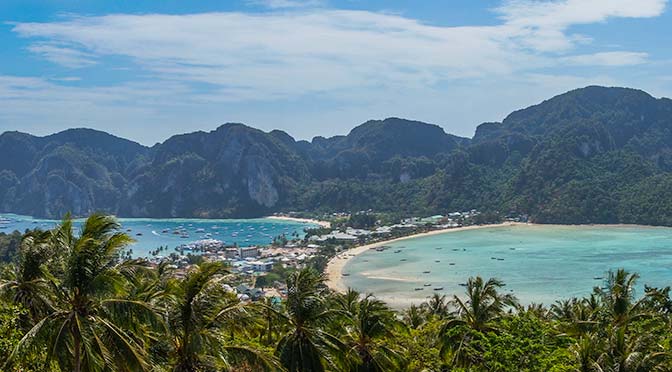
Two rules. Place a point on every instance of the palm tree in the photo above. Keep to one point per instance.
(414, 316)
(369, 334)
(268, 313)
(308, 346)
(630, 353)
(586, 351)
(618, 297)
(87, 329)
(576, 317)
(437, 306)
(484, 304)
(202, 318)
(27, 282)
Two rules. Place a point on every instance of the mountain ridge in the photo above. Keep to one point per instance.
(573, 158)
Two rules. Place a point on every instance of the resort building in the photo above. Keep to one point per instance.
(261, 266)
(246, 252)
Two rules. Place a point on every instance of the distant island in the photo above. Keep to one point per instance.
(592, 155)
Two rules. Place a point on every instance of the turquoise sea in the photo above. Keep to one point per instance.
(151, 233)
(538, 263)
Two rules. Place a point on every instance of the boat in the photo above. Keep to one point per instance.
(138, 234)
(397, 251)
(438, 288)
(428, 284)
(439, 248)
(463, 284)
(345, 274)
(500, 259)
(426, 272)
(419, 288)
(437, 261)
(403, 259)
(452, 264)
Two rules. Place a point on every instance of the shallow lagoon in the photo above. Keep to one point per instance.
(538, 263)
(151, 233)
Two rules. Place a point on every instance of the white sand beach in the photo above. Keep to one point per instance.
(296, 219)
(334, 270)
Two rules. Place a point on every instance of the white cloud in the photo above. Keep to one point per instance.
(542, 25)
(608, 59)
(287, 4)
(64, 56)
(266, 56)
(66, 78)
(359, 61)
(275, 55)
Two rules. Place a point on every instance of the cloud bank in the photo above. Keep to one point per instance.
(302, 49)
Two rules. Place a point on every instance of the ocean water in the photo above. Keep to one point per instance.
(151, 233)
(538, 264)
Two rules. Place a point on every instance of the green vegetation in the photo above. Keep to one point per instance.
(362, 220)
(592, 155)
(73, 303)
(9, 245)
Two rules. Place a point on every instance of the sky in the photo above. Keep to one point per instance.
(149, 69)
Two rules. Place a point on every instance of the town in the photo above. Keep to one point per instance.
(258, 272)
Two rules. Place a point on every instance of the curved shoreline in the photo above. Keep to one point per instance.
(296, 219)
(335, 266)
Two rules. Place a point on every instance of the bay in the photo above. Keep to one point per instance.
(538, 263)
(151, 233)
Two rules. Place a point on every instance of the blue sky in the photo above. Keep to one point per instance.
(146, 70)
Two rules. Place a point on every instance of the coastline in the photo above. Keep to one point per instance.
(335, 266)
(326, 224)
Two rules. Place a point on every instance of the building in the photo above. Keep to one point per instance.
(261, 266)
(246, 252)
(231, 253)
(337, 236)
(245, 293)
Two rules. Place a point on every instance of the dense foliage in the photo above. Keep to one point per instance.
(70, 303)
(593, 155)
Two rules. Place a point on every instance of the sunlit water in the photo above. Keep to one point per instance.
(537, 263)
(151, 233)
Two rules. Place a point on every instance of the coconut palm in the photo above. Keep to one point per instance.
(484, 305)
(308, 346)
(576, 317)
(202, 322)
(631, 353)
(268, 311)
(437, 306)
(414, 316)
(369, 332)
(586, 351)
(27, 282)
(88, 327)
(618, 297)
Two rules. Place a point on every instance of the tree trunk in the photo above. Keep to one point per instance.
(78, 358)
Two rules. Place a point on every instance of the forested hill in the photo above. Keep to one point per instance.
(592, 155)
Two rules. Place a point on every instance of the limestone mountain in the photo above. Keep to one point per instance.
(590, 155)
